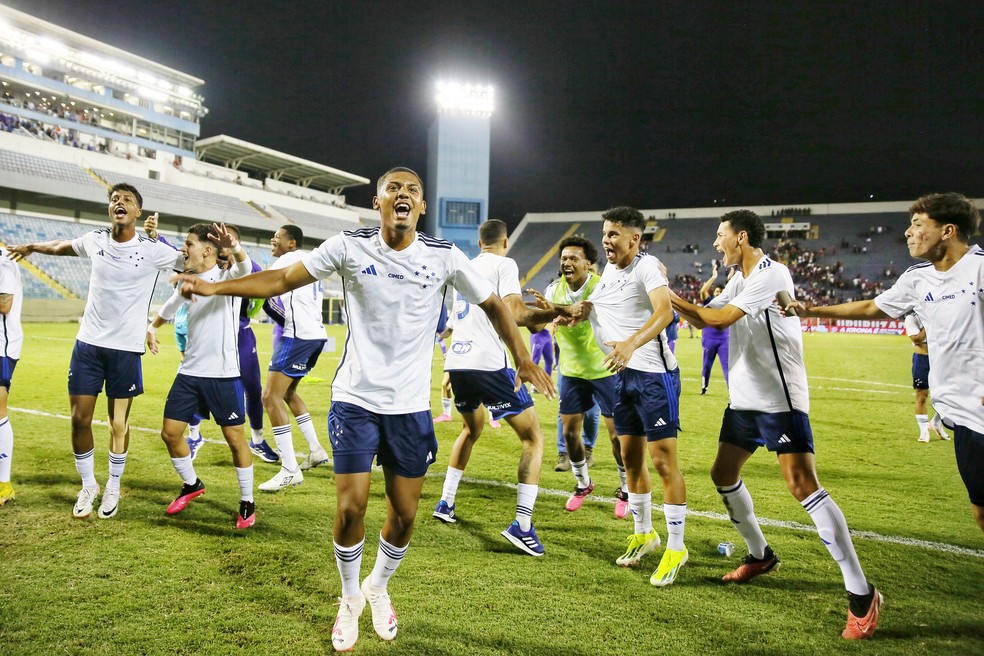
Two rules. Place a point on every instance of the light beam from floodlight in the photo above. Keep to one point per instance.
(458, 98)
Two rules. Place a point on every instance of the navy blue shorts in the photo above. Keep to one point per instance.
(91, 366)
(220, 397)
(782, 432)
(296, 357)
(920, 371)
(647, 403)
(495, 389)
(404, 444)
(968, 446)
(578, 395)
(7, 371)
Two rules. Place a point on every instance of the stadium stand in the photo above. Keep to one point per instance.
(39, 167)
(309, 219)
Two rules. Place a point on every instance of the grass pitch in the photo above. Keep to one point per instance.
(145, 583)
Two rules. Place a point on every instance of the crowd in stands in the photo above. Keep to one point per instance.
(10, 123)
(826, 284)
(793, 211)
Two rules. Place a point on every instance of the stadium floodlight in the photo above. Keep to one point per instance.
(457, 98)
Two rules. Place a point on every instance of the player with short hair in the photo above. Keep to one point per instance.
(947, 294)
(296, 355)
(110, 341)
(394, 279)
(769, 406)
(208, 379)
(11, 340)
(478, 367)
(916, 332)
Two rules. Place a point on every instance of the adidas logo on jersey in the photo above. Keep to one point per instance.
(133, 388)
(660, 422)
(370, 270)
(233, 416)
(929, 297)
(784, 439)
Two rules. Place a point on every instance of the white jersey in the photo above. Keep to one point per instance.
(212, 350)
(302, 306)
(121, 286)
(950, 304)
(475, 346)
(622, 306)
(11, 333)
(392, 305)
(765, 349)
(912, 324)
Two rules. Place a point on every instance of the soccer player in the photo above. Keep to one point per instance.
(920, 379)
(713, 341)
(11, 340)
(769, 407)
(208, 379)
(110, 341)
(480, 376)
(587, 382)
(393, 277)
(947, 294)
(296, 355)
(542, 346)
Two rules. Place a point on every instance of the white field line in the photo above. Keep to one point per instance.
(707, 514)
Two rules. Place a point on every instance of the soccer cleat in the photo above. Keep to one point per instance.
(494, 423)
(6, 492)
(83, 504)
(110, 504)
(314, 459)
(621, 503)
(924, 438)
(194, 445)
(639, 545)
(936, 425)
(383, 615)
(247, 514)
(525, 541)
(440, 419)
(187, 493)
(282, 479)
(445, 513)
(859, 628)
(346, 630)
(703, 391)
(563, 463)
(751, 567)
(589, 456)
(263, 451)
(576, 499)
(669, 567)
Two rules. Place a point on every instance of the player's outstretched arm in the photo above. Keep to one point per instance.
(701, 317)
(505, 325)
(264, 284)
(54, 247)
(854, 310)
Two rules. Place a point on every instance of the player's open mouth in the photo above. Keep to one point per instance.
(120, 211)
(402, 210)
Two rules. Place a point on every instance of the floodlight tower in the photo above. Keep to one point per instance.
(458, 163)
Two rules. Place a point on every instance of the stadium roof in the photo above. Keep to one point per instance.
(244, 156)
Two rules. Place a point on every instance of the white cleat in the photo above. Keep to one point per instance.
(346, 630)
(383, 615)
(937, 427)
(314, 459)
(282, 479)
(83, 505)
(110, 504)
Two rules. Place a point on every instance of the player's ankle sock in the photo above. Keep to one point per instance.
(349, 563)
(923, 422)
(741, 510)
(85, 465)
(194, 431)
(117, 463)
(623, 479)
(446, 405)
(451, 480)
(861, 604)
(306, 427)
(6, 449)
(388, 558)
(835, 535)
(676, 522)
(245, 477)
(580, 470)
(186, 469)
(285, 443)
(641, 506)
(257, 435)
(525, 500)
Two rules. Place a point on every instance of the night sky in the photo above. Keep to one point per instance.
(652, 104)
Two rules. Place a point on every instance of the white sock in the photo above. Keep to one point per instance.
(622, 477)
(245, 477)
(451, 480)
(446, 405)
(6, 449)
(581, 475)
(741, 510)
(388, 558)
(186, 469)
(923, 422)
(285, 443)
(307, 430)
(117, 463)
(676, 521)
(835, 535)
(641, 506)
(257, 435)
(525, 500)
(349, 563)
(85, 465)
(194, 431)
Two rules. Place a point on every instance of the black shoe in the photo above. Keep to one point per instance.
(703, 391)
